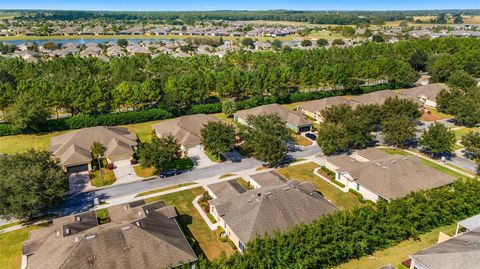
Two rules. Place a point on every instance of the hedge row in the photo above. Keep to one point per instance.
(113, 119)
(348, 235)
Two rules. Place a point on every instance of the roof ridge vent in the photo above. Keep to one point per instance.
(91, 237)
(268, 193)
(125, 228)
(76, 239)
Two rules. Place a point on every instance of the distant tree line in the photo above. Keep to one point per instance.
(91, 86)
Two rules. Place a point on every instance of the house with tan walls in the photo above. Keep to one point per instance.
(377, 175)
(72, 150)
(250, 214)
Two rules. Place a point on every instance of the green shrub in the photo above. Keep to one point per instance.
(356, 193)
(232, 245)
(329, 172)
(340, 184)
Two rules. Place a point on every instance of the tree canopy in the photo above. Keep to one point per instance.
(160, 153)
(218, 137)
(438, 140)
(30, 184)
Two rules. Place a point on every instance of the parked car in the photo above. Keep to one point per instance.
(169, 173)
(311, 136)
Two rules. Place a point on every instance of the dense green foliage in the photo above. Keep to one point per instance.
(218, 137)
(266, 137)
(462, 99)
(30, 184)
(438, 140)
(346, 235)
(90, 86)
(471, 141)
(345, 128)
(27, 113)
(161, 153)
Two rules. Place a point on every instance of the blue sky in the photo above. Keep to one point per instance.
(154, 5)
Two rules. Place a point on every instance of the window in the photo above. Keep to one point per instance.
(242, 246)
(358, 187)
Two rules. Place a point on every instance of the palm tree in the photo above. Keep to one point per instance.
(97, 150)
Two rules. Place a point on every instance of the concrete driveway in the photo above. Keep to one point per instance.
(124, 172)
(199, 158)
(77, 182)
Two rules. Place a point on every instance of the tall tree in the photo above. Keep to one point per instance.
(333, 138)
(218, 137)
(161, 153)
(266, 136)
(438, 140)
(398, 131)
(98, 150)
(28, 113)
(30, 184)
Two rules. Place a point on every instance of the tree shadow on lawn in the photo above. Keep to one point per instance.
(184, 220)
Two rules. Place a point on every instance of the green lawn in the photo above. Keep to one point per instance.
(425, 162)
(192, 223)
(461, 132)
(102, 215)
(244, 183)
(304, 172)
(18, 143)
(11, 247)
(145, 171)
(5, 226)
(164, 189)
(399, 253)
(108, 178)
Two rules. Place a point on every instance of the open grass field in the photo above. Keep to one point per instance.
(304, 172)
(18, 143)
(434, 115)
(11, 247)
(399, 253)
(192, 223)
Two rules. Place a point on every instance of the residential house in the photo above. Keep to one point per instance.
(378, 98)
(426, 95)
(381, 176)
(293, 119)
(251, 214)
(187, 131)
(225, 189)
(314, 108)
(73, 152)
(266, 179)
(139, 235)
(462, 251)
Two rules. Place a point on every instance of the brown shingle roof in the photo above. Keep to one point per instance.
(74, 147)
(429, 91)
(268, 209)
(185, 129)
(319, 105)
(293, 117)
(377, 97)
(151, 240)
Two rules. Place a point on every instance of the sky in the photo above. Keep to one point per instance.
(177, 5)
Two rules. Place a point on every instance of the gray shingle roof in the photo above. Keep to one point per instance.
(429, 91)
(226, 188)
(462, 251)
(185, 129)
(293, 117)
(268, 179)
(392, 177)
(268, 209)
(150, 240)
